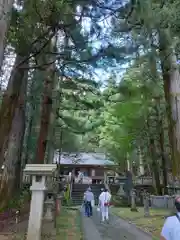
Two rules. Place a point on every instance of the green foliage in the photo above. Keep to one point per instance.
(113, 119)
(125, 121)
(18, 201)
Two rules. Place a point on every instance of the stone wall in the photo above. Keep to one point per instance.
(166, 201)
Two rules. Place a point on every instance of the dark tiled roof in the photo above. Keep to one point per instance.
(83, 159)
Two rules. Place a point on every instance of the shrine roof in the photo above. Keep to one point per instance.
(98, 159)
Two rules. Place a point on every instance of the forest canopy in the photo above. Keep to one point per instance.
(93, 76)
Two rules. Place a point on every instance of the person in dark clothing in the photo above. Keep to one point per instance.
(88, 209)
(88, 198)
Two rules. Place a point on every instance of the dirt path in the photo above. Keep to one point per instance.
(15, 231)
(18, 231)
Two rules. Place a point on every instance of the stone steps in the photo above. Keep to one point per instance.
(79, 189)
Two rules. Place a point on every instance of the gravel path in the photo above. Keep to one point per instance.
(115, 229)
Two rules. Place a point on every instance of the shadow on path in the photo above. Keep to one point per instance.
(115, 229)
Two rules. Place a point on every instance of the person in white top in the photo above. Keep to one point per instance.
(171, 228)
(70, 176)
(104, 203)
(80, 177)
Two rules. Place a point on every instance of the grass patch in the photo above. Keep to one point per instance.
(152, 224)
(69, 225)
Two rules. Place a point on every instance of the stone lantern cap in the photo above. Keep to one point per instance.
(39, 169)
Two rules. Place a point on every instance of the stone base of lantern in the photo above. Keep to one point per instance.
(49, 206)
(48, 215)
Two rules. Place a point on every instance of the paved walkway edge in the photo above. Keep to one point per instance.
(139, 228)
(89, 229)
(132, 226)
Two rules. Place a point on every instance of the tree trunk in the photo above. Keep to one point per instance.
(5, 13)
(45, 116)
(26, 158)
(33, 111)
(46, 110)
(50, 145)
(155, 167)
(141, 164)
(10, 180)
(171, 78)
(129, 163)
(161, 143)
(52, 125)
(154, 161)
(163, 159)
(9, 105)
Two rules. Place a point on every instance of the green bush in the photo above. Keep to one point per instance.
(18, 201)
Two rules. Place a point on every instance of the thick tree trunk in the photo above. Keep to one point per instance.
(10, 180)
(163, 159)
(171, 78)
(5, 14)
(46, 109)
(9, 105)
(161, 144)
(50, 145)
(52, 125)
(45, 116)
(155, 167)
(33, 111)
(154, 162)
(129, 163)
(26, 157)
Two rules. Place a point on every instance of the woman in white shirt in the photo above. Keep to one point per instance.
(104, 203)
(171, 228)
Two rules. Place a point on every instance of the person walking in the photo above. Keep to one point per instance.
(88, 198)
(104, 203)
(171, 228)
(70, 177)
(80, 177)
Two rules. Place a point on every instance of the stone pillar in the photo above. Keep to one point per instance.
(105, 177)
(36, 208)
(146, 204)
(39, 172)
(133, 201)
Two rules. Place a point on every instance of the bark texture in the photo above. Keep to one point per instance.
(155, 166)
(9, 104)
(5, 14)
(10, 180)
(46, 109)
(171, 78)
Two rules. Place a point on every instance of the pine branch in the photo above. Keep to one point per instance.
(76, 125)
